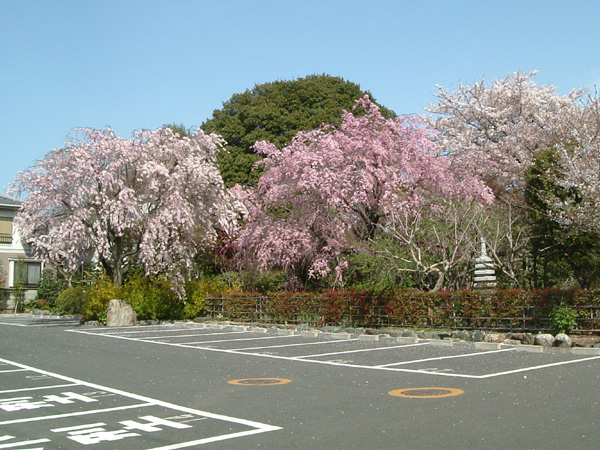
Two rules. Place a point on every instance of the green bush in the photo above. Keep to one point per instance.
(152, 298)
(563, 319)
(198, 290)
(72, 300)
(51, 285)
(100, 292)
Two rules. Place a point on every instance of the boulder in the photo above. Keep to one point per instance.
(476, 336)
(528, 339)
(585, 341)
(496, 338)
(515, 336)
(460, 334)
(562, 340)
(120, 314)
(544, 339)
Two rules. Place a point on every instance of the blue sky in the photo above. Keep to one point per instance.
(132, 64)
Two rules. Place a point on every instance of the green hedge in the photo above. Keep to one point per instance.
(502, 309)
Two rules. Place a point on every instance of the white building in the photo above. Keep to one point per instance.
(18, 267)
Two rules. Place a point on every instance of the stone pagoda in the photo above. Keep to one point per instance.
(485, 275)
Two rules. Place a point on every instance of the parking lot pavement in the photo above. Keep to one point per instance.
(312, 390)
(447, 359)
(48, 410)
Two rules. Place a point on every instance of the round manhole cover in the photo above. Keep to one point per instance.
(430, 392)
(259, 381)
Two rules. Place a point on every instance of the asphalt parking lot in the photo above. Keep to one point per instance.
(188, 385)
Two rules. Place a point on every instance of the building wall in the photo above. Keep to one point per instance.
(11, 255)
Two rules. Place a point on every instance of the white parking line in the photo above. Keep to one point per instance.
(235, 340)
(543, 366)
(466, 355)
(256, 427)
(391, 368)
(358, 351)
(39, 388)
(190, 335)
(297, 345)
(13, 370)
(75, 414)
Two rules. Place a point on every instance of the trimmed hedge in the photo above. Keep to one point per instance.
(502, 309)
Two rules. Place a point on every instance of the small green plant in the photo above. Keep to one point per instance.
(51, 285)
(100, 292)
(563, 319)
(72, 300)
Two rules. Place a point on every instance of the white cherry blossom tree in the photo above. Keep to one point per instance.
(156, 200)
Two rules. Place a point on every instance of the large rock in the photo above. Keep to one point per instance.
(120, 314)
(562, 340)
(585, 341)
(476, 336)
(544, 339)
(496, 338)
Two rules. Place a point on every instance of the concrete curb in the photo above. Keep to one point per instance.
(341, 335)
(487, 345)
(407, 340)
(368, 337)
(313, 333)
(530, 348)
(441, 342)
(585, 351)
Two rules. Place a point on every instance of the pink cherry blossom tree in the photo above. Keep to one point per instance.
(155, 200)
(335, 187)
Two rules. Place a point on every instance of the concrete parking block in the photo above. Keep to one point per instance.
(530, 348)
(258, 330)
(585, 351)
(368, 337)
(341, 335)
(441, 342)
(285, 332)
(487, 345)
(407, 340)
(311, 333)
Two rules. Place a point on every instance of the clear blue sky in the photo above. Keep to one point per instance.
(133, 64)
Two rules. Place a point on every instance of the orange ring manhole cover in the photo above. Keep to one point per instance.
(259, 381)
(429, 392)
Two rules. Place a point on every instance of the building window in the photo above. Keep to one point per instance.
(27, 274)
(6, 230)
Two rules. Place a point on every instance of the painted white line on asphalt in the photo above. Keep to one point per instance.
(75, 414)
(191, 335)
(543, 366)
(13, 370)
(296, 345)
(445, 357)
(235, 340)
(154, 330)
(333, 363)
(13, 324)
(316, 355)
(39, 388)
(147, 400)
(24, 443)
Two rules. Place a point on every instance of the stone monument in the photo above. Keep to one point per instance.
(485, 274)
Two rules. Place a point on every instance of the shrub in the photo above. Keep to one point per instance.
(152, 298)
(198, 290)
(100, 292)
(51, 286)
(71, 300)
(563, 319)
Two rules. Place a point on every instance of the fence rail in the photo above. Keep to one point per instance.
(377, 313)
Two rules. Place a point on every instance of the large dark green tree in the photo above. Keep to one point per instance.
(558, 253)
(275, 112)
